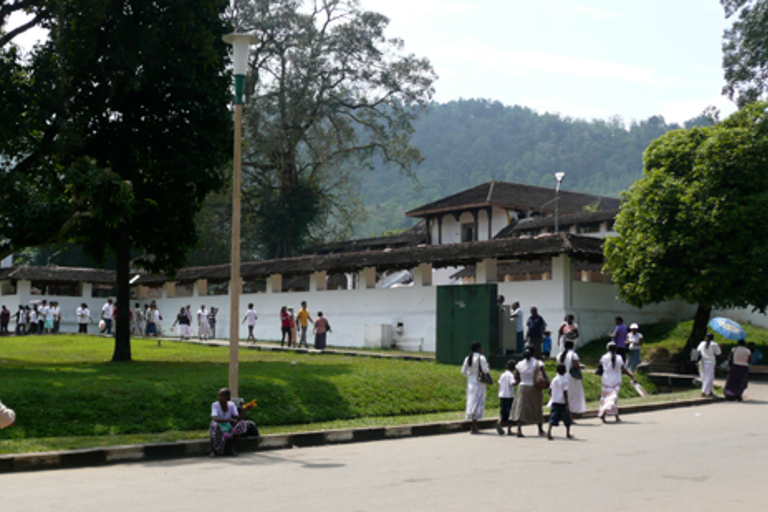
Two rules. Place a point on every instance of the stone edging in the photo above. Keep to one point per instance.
(198, 448)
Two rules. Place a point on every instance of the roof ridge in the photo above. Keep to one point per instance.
(490, 191)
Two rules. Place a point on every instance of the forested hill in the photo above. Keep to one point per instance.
(469, 142)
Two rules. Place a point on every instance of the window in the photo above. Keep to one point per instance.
(221, 288)
(103, 291)
(255, 286)
(468, 232)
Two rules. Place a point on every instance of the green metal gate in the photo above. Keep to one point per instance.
(466, 313)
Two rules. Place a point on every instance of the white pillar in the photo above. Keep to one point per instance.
(86, 290)
(201, 288)
(422, 275)
(169, 290)
(317, 281)
(487, 271)
(562, 280)
(275, 283)
(367, 278)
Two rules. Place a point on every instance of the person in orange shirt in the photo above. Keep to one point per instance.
(304, 320)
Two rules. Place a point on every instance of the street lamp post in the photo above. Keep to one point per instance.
(559, 178)
(241, 44)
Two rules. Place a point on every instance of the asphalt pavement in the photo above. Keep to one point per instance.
(705, 458)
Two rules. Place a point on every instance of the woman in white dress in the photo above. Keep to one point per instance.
(577, 403)
(708, 351)
(473, 364)
(612, 367)
(529, 398)
(203, 327)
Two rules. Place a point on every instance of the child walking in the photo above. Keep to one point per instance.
(559, 389)
(546, 345)
(506, 397)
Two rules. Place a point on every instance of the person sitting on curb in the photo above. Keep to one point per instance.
(226, 424)
(7, 416)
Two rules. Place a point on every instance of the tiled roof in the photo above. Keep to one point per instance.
(56, 274)
(514, 196)
(410, 238)
(564, 222)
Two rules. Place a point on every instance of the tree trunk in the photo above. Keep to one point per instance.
(699, 330)
(123, 327)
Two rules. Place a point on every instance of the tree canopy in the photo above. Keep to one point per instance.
(745, 50)
(694, 227)
(122, 131)
(329, 92)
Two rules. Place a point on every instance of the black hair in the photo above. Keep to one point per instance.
(612, 349)
(227, 392)
(710, 337)
(510, 365)
(528, 352)
(561, 369)
(568, 347)
(476, 346)
(742, 342)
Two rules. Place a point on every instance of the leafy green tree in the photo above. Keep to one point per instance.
(332, 94)
(128, 128)
(745, 50)
(694, 227)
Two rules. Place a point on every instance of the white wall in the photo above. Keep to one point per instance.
(743, 315)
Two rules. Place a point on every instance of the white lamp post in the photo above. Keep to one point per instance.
(559, 178)
(241, 44)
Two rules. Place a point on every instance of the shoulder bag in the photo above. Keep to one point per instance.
(576, 372)
(482, 376)
(599, 370)
(541, 381)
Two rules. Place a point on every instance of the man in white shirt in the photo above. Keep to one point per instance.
(559, 403)
(107, 312)
(42, 315)
(83, 318)
(517, 316)
(251, 317)
(56, 311)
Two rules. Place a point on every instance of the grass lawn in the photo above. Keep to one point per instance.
(67, 393)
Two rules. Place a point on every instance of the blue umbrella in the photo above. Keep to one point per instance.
(727, 328)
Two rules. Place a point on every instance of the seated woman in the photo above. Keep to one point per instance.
(226, 424)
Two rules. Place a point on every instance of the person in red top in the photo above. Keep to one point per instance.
(321, 328)
(285, 325)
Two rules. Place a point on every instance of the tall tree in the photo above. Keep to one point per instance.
(745, 50)
(130, 141)
(332, 93)
(694, 227)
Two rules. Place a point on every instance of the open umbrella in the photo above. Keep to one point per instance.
(727, 328)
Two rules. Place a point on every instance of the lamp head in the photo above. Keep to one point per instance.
(559, 176)
(241, 44)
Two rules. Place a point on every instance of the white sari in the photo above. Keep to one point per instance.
(475, 389)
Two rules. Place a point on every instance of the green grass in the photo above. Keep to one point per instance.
(67, 393)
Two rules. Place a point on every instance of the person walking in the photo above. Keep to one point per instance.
(322, 328)
(738, 375)
(5, 319)
(285, 325)
(250, 317)
(212, 320)
(203, 327)
(137, 326)
(84, 317)
(612, 365)
(529, 400)
(558, 388)
(577, 402)
(708, 351)
(182, 319)
(56, 311)
(507, 384)
(304, 320)
(634, 344)
(473, 365)
(107, 312)
(535, 334)
(568, 330)
(21, 321)
(619, 337)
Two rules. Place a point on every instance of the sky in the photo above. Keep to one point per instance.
(580, 58)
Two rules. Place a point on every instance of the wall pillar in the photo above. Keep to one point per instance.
(317, 281)
(275, 283)
(562, 279)
(422, 275)
(169, 290)
(367, 278)
(86, 290)
(201, 288)
(487, 271)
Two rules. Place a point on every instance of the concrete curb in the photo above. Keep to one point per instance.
(69, 459)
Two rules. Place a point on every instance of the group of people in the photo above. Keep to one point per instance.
(40, 318)
(204, 320)
(522, 386)
(707, 354)
(289, 323)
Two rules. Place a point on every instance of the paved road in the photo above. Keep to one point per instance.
(713, 457)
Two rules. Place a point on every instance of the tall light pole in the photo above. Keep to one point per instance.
(241, 44)
(559, 178)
